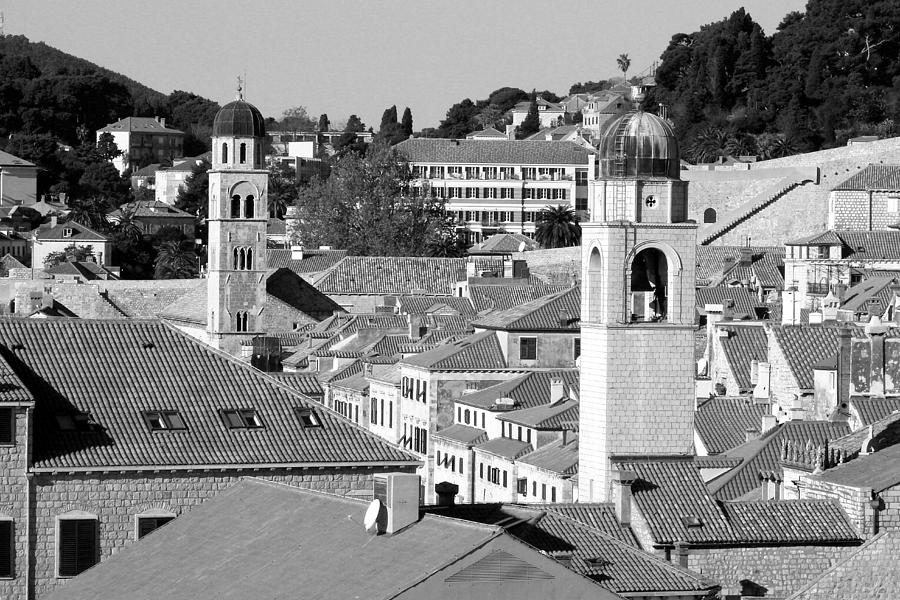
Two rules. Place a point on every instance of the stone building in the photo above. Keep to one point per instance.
(867, 200)
(638, 258)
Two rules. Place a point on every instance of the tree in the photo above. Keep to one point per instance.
(406, 123)
(388, 118)
(296, 119)
(588, 87)
(282, 189)
(126, 223)
(73, 253)
(193, 196)
(175, 260)
(102, 179)
(532, 122)
(557, 227)
(106, 147)
(368, 207)
(90, 212)
(624, 63)
(460, 120)
(324, 123)
(354, 124)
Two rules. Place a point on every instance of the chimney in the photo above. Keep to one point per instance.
(510, 132)
(367, 369)
(563, 319)
(727, 309)
(754, 372)
(790, 307)
(624, 479)
(797, 411)
(866, 446)
(446, 493)
(557, 391)
(680, 554)
(416, 328)
(296, 252)
(162, 121)
(53, 221)
(761, 391)
(752, 433)
(746, 256)
(399, 497)
(843, 368)
(768, 422)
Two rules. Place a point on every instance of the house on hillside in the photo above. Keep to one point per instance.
(56, 237)
(866, 201)
(18, 180)
(143, 140)
(152, 215)
(550, 114)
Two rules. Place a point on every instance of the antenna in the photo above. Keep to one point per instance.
(370, 521)
(2, 33)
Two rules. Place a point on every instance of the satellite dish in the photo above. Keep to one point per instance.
(370, 521)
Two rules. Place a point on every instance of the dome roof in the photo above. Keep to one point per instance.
(239, 119)
(639, 144)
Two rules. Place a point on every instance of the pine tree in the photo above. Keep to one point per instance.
(324, 123)
(388, 119)
(406, 123)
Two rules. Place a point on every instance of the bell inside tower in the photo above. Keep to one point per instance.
(649, 286)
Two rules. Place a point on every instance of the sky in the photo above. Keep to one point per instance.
(341, 57)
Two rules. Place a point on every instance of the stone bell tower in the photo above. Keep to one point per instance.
(637, 326)
(238, 212)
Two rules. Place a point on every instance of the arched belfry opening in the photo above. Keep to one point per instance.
(594, 285)
(649, 286)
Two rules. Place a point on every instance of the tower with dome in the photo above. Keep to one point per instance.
(238, 211)
(637, 327)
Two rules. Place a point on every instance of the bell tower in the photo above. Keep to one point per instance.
(238, 213)
(637, 326)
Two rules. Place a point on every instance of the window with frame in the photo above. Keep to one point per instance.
(7, 427)
(147, 525)
(373, 412)
(77, 546)
(522, 486)
(245, 418)
(7, 549)
(506, 193)
(164, 420)
(306, 416)
(576, 348)
(893, 204)
(527, 348)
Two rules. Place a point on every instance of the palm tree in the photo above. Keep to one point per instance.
(127, 225)
(557, 227)
(624, 63)
(175, 260)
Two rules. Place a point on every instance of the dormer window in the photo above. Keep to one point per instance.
(68, 232)
(164, 420)
(241, 419)
(308, 417)
(75, 422)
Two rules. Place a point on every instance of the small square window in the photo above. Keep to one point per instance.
(77, 546)
(7, 550)
(241, 419)
(7, 428)
(528, 348)
(76, 422)
(308, 418)
(147, 525)
(164, 420)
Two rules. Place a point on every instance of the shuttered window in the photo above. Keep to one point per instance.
(149, 524)
(7, 549)
(77, 546)
(7, 432)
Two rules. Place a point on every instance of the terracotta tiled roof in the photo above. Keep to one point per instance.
(420, 305)
(488, 132)
(790, 521)
(305, 383)
(555, 457)
(114, 370)
(598, 515)
(805, 345)
(559, 311)
(873, 177)
(741, 347)
(313, 261)
(8, 160)
(392, 275)
(151, 208)
(505, 448)
(868, 573)
(463, 434)
(873, 293)
(762, 456)
(871, 409)
(501, 297)
(870, 245)
(476, 352)
(79, 233)
(745, 300)
(722, 422)
(506, 242)
(767, 265)
(11, 262)
(142, 301)
(615, 565)
(139, 125)
(489, 152)
(879, 471)
(562, 415)
(528, 389)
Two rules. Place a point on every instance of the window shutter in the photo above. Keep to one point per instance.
(145, 526)
(68, 548)
(86, 544)
(7, 549)
(6, 426)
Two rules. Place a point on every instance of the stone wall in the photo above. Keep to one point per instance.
(13, 501)
(117, 498)
(556, 265)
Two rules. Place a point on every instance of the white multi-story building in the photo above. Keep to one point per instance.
(143, 140)
(497, 186)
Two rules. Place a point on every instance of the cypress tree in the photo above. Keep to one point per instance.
(406, 123)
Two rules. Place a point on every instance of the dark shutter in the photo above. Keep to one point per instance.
(6, 426)
(77, 546)
(149, 524)
(7, 549)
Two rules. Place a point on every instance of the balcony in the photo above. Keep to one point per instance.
(818, 289)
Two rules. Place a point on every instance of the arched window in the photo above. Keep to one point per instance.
(241, 321)
(256, 151)
(224, 152)
(248, 207)
(709, 215)
(235, 207)
(242, 263)
(249, 259)
(649, 281)
(595, 278)
(243, 152)
(235, 263)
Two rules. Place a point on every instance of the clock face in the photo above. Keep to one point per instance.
(650, 201)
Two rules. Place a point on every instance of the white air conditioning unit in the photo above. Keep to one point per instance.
(399, 495)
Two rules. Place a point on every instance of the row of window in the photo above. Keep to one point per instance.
(506, 430)
(465, 415)
(348, 410)
(242, 259)
(449, 461)
(415, 438)
(242, 207)
(374, 412)
(522, 488)
(493, 474)
(242, 153)
(232, 418)
(242, 321)
(414, 389)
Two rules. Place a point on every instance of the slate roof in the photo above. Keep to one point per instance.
(500, 152)
(873, 177)
(392, 275)
(879, 471)
(463, 434)
(562, 415)
(313, 261)
(763, 455)
(741, 347)
(258, 537)
(555, 457)
(542, 314)
(116, 369)
(479, 351)
(501, 297)
(871, 572)
(505, 447)
(872, 409)
(722, 422)
(139, 125)
(528, 389)
(80, 233)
